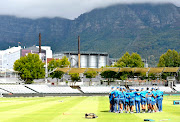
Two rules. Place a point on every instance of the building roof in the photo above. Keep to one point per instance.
(141, 70)
(171, 69)
(156, 70)
(82, 52)
(34, 48)
(127, 69)
(116, 69)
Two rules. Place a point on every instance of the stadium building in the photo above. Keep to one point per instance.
(87, 59)
(10, 55)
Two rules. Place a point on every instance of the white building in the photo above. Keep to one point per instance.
(48, 51)
(8, 57)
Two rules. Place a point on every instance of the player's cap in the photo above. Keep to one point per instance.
(127, 90)
(112, 87)
(121, 88)
(142, 88)
(152, 88)
(118, 87)
(131, 89)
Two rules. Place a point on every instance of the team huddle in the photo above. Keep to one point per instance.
(125, 100)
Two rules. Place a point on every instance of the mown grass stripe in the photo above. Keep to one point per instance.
(52, 110)
(26, 109)
(19, 104)
(89, 105)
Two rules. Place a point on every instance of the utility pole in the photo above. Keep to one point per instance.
(79, 56)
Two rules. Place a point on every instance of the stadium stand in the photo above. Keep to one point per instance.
(47, 89)
(96, 89)
(3, 92)
(165, 89)
(52, 89)
(162, 88)
(177, 88)
(8, 80)
(16, 89)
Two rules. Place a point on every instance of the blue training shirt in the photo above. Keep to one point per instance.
(149, 97)
(127, 96)
(137, 96)
(132, 95)
(111, 95)
(121, 95)
(143, 95)
(154, 93)
(116, 94)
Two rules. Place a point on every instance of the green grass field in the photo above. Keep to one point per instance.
(72, 109)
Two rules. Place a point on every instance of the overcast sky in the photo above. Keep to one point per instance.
(60, 8)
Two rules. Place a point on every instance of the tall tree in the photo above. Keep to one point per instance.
(109, 75)
(127, 60)
(60, 63)
(30, 67)
(90, 75)
(74, 77)
(169, 59)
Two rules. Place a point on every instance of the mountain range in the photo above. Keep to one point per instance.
(148, 29)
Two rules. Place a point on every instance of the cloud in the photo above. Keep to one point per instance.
(61, 8)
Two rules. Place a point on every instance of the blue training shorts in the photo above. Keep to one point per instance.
(111, 101)
(143, 101)
(153, 102)
(148, 101)
(127, 102)
(122, 101)
(131, 102)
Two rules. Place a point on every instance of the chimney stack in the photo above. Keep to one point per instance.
(79, 57)
(39, 42)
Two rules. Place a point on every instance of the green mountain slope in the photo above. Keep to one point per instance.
(147, 29)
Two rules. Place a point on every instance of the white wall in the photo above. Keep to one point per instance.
(48, 51)
(9, 56)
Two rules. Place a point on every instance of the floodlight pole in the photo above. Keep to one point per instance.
(46, 71)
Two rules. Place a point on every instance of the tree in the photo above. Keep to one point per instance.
(152, 76)
(60, 63)
(74, 77)
(124, 76)
(90, 74)
(108, 74)
(127, 60)
(169, 59)
(30, 67)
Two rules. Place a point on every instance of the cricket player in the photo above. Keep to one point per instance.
(124, 91)
(122, 99)
(143, 100)
(111, 99)
(148, 96)
(159, 99)
(132, 100)
(116, 99)
(153, 100)
(127, 96)
(137, 100)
